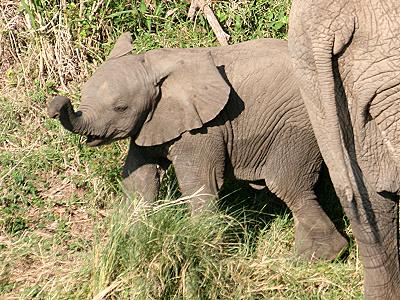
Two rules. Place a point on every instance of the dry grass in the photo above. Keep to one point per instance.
(40, 44)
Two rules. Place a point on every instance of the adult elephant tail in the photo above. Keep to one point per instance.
(312, 49)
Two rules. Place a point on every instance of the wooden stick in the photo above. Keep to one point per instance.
(194, 7)
(221, 35)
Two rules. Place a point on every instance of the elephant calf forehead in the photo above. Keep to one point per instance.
(102, 84)
(110, 85)
(117, 77)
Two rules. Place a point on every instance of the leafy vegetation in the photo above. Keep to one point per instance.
(65, 229)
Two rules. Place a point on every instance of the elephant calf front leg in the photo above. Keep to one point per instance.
(202, 189)
(144, 181)
(199, 163)
(141, 174)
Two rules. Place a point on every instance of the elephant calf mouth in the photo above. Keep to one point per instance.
(93, 140)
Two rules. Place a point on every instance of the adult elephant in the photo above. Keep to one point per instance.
(347, 57)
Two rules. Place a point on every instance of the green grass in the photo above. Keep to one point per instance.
(65, 231)
(165, 254)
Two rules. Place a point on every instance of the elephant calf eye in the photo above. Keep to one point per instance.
(120, 108)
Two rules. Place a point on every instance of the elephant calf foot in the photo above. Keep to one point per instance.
(316, 243)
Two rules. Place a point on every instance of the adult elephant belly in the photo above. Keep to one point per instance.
(372, 87)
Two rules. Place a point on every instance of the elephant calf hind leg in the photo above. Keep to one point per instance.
(316, 237)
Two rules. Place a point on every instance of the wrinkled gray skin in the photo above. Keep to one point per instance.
(347, 57)
(231, 111)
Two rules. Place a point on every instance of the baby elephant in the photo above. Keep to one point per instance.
(231, 111)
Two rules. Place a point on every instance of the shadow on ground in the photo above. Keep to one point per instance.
(257, 209)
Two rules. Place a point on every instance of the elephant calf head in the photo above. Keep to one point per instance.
(153, 97)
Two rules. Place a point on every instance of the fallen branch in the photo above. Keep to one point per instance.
(201, 5)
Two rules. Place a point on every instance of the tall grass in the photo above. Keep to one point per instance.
(164, 254)
(65, 231)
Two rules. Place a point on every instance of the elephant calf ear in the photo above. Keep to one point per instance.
(122, 46)
(193, 92)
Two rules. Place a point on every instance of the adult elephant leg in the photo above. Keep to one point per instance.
(374, 218)
(375, 225)
(312, 46)
(199, 162)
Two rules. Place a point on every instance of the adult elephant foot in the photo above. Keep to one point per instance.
(314, 242)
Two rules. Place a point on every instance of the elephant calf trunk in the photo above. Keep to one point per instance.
(61, 107)
(54, 107)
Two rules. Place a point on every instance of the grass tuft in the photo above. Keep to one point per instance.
(162, 253)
